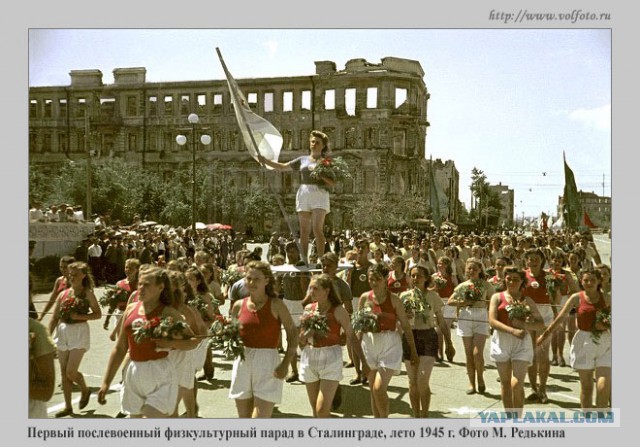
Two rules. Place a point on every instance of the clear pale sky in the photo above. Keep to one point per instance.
(507, 101)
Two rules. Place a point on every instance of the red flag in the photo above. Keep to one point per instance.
(587, 221)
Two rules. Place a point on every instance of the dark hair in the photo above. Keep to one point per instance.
(592, 271)
(379, 269)
(511, 269)
(324, 281)
(427, 277)
(330, 257)
(399, 258)
(325, 140)
(478, 264)
(160, 276)
(265, 268)
(202, 286)
(446, 260)
(68, 259)
(535, 252)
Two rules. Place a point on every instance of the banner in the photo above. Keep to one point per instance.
(434, 198)
(258, 134)
(572, 211)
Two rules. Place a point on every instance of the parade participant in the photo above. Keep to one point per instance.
(212, 278)
(472, 298)
(358, 283)
(511, 345)
(591, 346)
(425, 337)
(383, 349)
(208, 307)
(128, 284)
(150, 388)
(321, 358)
(497, 280)
(567, 287)
(398, 280)
(42, 371)
(74, 307)
(312, 200)
(256, 381)
(537, 289)
(444, 282)
(61, 283)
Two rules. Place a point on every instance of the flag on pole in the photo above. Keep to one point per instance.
(572, 211)
(434, 198)
(587, 220)
(258, 134)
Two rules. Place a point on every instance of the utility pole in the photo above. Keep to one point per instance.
(87, 145)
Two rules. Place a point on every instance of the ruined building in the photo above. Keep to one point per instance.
(375, 116)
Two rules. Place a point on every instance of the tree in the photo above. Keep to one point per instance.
(487, 201)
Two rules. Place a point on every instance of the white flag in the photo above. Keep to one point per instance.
(258, 134)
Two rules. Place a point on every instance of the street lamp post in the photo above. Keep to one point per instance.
(182, 140)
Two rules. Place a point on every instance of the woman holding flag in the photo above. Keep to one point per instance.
(312, 198)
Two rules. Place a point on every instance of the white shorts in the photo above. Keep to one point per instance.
(311, 197)
(253, 376)
(586, 354)
(73, 336)
(321, 363)
(383, 349)
(547, 313)
(472, 321)
(183, 363)
(199, 354)
(295, 309)
(506, 348)
(449, 312)
(150, 383)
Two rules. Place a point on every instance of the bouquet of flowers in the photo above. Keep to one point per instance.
(518, 310)
(314, 323)
(365, 320)
(231, 276)
(72, 304)
(472, 291)
(415, 304)
(114, 297)
(332, 168)
(439, 282)
(201, 306)
(554, 281)
(166, 328)
(225, 335)
(603, 318)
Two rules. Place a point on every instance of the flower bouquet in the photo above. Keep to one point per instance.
(313, 323)
(472, 291)
(225, 335)
(553, 281)
(603, 318)
(335, 169)
(518, 311)
(72, 304)
(166, 328)
(230, 276)
(199, 304)
(114, 297)
(365, 320)
(414, 304)
(439, 282)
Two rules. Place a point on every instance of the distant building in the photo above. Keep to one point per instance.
(597, 208)
(506, 195)
(374, 113)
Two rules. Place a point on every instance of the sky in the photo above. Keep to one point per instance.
(509, 102)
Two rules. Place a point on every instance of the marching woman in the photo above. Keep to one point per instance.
(73, 308)
(444, 282)
(256, 381)
(472, 297)
(398, 280)
(150, 386)
(321, 359)
(312, 198)
(383, 349)
(591, 346)
(426, 339)
(512, 315)
(61, 283)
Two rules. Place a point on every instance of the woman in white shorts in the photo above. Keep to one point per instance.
(150, 386)
(321, 359)
(591, 346)
(511, 345)
(312, 198)
(256, 380)
(383, 349)
(473, 324)
(73, 308)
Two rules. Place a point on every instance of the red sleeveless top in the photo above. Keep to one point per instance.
(447, 290)
(387, 317)
(62, 284)
(124, 285)
(146, 350)
(259, 329)
(333, 336)
(586, 314)
(397, 285)
(538, 294)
